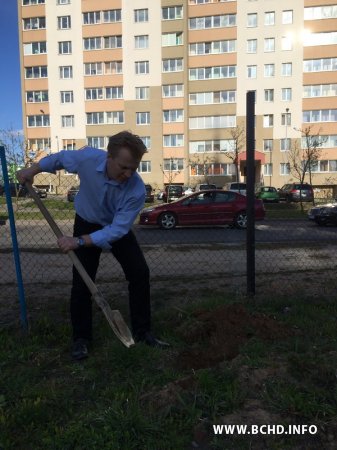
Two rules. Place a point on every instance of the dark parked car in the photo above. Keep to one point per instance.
(17, 189)
(324, 214)
(204, 187)
(213, 207)
(149, 198)
(173, 192)
(72, 192)
(295, 192)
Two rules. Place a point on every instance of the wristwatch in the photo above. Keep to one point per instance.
(80, 242)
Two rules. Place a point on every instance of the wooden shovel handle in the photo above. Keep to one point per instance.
(58, 233)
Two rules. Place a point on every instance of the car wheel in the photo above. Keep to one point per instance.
(167, 220)
(240, 220)
(321, 222)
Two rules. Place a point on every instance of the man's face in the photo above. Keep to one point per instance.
(121, 167)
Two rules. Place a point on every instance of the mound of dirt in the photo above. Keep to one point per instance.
(214, 336)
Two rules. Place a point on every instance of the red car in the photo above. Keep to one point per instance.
(212, 207)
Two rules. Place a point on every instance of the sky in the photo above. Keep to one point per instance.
(10, 106)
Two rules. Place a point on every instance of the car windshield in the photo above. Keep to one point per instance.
(302, 187)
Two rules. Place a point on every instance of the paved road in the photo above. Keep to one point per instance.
(38, 234)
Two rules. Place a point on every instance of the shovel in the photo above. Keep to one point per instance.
(114, 317)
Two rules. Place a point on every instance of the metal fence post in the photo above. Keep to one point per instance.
(23, 311)
(250, 239)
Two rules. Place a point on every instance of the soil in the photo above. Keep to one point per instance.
(218, 335)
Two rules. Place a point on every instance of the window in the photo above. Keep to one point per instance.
(141, 15)
(201, 23)
(91, 18)
(142, 41)
(318, 65)
(269, 45)
(39, 144)
(269, 95)
(268, 170)
(172, 13)
(268, 120)
(173, 90)
(94, 94)
(286, 43)
(173, 140)
(32, 2)
(217, 145)
(269, 70)
(142, 67)
(251, 45)
(64, 22)
(173, 115)
(251, 71)
(287, 17)
(172, 39)
(92, 43)
(284, 169)
(318, 39)
(252, 20)
(115, 117)
(96, 141)
(173, 164)
(142, 93)
(65, 48)
(320, 90)
(112, 16)
(41, 120)
(147, 141)
(320, 12)
(36, 72)
(35, 48)
(268, 145)
(269, 18)
(205, 73)
(62, 2)
(210, 98)
(34, 23)
(287, 69)
(215, 47)
(114, 92)
(214, 169)
(205, 122)
(286, 119)
(142, 118)
(95, 118)
(93, 69)
(144, 167)
(67, 121)
(173, 65)
(286, 94)
(113, 67)
(36, 96)
(323, 115)
(67, 96)
(66, 72)
(285, 144)
(113, 41)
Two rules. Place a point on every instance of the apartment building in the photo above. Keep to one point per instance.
(176, 72)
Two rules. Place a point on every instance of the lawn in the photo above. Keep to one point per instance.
(231, 362)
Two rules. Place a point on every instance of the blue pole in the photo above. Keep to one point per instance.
(16, 252)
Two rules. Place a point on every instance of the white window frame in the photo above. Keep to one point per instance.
(65, 47)
(174, 90)
(64, 22)
(93, 69)
(65, 72)
(142, 41)
(172, 12)
(142, 92)
(141, 15)
(142, 67)
(173, 65)
(67, 121)
(251, 45)
(114, 92)
(95, 93)
(143, 118)
(112, 15)
(67, 96)
(284, 169)
(144, 167)
(173, 140)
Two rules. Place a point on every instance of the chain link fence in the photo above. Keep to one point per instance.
(292, 253)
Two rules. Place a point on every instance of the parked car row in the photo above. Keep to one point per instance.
(17, 190)
(324, 214)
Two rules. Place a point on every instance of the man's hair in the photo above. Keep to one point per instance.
(130, 141)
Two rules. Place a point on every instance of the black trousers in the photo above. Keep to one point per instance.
(130, 256)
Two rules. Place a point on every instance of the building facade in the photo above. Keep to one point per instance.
(176, 72)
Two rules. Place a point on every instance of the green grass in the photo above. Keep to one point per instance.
(115, 399)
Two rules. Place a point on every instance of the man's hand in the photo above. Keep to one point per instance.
(67, 243)
(28, 174)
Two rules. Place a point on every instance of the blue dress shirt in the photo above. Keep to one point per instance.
(109, 203)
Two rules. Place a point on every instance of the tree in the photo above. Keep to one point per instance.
(238, 135)
(304, 155)
(170, 171)
(200, 165)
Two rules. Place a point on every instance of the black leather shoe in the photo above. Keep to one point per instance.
(149, 339)
(80, 349)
